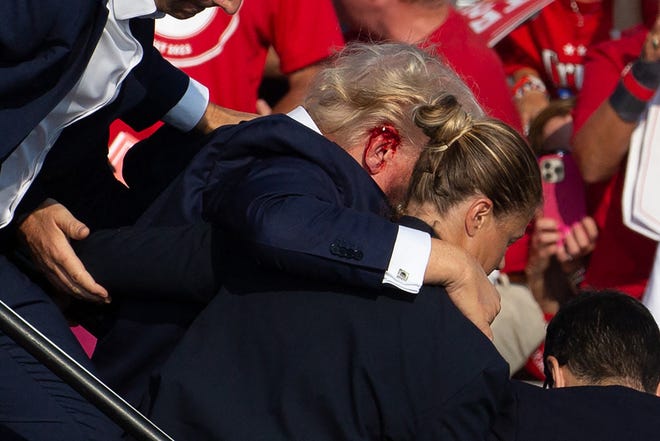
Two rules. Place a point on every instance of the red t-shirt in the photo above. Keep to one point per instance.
(227, 53)
(554, 44)
(477, 64)
(622, 259)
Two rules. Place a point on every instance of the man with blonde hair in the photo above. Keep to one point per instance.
(309, 344)
(311, 193)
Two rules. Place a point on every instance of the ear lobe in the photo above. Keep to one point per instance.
(382, 146)
(477, 215)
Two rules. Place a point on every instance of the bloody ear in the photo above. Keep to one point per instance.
(382, 144)
(389, 134)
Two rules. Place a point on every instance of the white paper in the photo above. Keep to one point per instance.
(641, 198)
(641, 193)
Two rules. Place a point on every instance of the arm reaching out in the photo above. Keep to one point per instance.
(216, 116)
(601, 143)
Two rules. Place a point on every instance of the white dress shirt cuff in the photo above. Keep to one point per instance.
(190, 108)
(412, 250)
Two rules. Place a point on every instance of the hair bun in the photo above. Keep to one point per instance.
(444, 122)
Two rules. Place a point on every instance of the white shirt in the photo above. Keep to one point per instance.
(412, 248)
(115, 55)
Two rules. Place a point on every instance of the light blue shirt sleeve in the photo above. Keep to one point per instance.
(191, 107)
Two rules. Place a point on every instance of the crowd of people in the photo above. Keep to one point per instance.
(418, 234)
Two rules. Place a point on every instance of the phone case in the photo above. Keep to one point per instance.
(563, 189)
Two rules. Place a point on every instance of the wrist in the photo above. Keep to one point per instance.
(647, 73)
(637, 86)
(528, 83)
(446, 264)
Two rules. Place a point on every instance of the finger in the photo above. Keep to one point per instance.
(263, 108)
(64, 264)
(546, 224)
(562, 255)
(76, 290)
(571, 245)
(71, 227)
(590, 228)
(547, 239)
(79, 282)
(488, 332)
(581, 239)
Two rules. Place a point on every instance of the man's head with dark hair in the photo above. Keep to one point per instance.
(603, 338)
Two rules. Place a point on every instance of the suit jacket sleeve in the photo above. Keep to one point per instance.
(291, 215)
(164, 84)
(174, 262)
(184, 262)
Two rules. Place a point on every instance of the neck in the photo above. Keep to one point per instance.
(627, 382)
(411, 22)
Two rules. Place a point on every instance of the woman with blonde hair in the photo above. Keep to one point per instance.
(477, 177)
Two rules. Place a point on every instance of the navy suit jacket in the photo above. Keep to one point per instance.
(283, 357)
(603, 413)
(44, 48)
(298, 202)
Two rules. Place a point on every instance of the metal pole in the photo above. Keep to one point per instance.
(79, 378)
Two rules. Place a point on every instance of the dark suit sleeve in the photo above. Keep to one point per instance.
(157, 262)
(291, 216)
(163, 83)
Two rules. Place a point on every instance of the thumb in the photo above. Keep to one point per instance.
(263, 108)
(72, 227)
(76, 230)
(486, 329)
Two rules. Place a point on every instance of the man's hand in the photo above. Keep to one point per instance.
(47, 232)
(466, 283)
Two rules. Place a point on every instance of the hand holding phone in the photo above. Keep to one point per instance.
(563, 190)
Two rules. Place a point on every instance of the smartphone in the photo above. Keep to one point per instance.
(563, 189)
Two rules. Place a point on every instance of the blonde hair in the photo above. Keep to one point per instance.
(369, 84)
(468, 156)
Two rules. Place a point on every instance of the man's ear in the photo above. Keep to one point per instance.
(657, 390)
(477, 215)
(556, 371)
(382, 146)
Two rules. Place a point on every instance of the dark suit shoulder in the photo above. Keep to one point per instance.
(605, 413)
(44, 47)
(449, 381)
